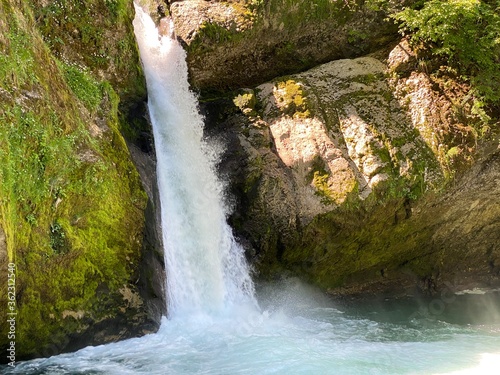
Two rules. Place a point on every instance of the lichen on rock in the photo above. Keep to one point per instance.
(344, 114)
(346, 190)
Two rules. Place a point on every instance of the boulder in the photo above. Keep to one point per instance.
(359, 174)
(234, 44)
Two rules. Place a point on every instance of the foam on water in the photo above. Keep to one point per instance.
(294, 334)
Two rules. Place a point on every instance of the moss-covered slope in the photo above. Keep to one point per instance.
(71, 202)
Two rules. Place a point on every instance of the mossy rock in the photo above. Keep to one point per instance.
(355, 196)
(240, 44)
(71, 201)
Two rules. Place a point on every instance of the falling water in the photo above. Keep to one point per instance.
(205, 266)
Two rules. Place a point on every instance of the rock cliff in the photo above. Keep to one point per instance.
(232, 44)
(365, 174)
(71, 200)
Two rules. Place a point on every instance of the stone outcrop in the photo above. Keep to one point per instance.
(402, 248)
(356, 174)
(234, 44)
(345, 172)
(71, 201)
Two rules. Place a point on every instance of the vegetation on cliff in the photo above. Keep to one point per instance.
(466, 33)
(363, 163)
(71, 202)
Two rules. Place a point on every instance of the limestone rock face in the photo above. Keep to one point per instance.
(235, 44)
(343, 175)
(339, 135)
(442, 241)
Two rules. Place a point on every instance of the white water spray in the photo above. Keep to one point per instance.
(206, 269)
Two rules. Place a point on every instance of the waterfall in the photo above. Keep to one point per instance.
(205, 267)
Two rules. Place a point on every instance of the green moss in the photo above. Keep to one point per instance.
(71, 202)
(346, 246)
(246, 102)
(86, 89)
(292, 99)
(57, 238)
(215, 32)
(118, 9)
(320, 182)
(368, 79)
(293, 14)
(255, 170)
(318, 176)
(452, 152)
(79, 34)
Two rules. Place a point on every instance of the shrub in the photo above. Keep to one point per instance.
(467, 33)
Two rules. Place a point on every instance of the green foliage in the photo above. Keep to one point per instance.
(355, 36)
(57, 238)
(466, 32)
